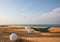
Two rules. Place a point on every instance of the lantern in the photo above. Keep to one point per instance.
(13, 37)
(29, 30)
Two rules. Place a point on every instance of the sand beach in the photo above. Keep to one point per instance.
(36, 36)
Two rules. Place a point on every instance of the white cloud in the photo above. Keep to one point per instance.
(52, 17)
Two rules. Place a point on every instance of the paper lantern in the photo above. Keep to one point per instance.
(29, 30)
(13, 37)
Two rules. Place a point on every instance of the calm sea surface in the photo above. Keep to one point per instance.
(52, 25)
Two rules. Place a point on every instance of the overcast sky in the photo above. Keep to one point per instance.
(29, 11)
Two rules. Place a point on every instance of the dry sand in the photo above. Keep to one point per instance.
(23, 36)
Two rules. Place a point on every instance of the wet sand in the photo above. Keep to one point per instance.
(52, 36)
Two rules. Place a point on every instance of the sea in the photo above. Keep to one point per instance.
(52, 25)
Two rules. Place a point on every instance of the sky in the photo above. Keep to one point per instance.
(29, 11)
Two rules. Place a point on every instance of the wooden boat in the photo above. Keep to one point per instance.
(41, 28)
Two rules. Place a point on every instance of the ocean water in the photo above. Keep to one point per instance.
(52, 25)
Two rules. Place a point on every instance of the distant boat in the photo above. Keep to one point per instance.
(41, 28)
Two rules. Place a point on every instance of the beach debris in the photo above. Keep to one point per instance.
(13, 37)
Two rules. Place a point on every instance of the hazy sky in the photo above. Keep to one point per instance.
(29, 11)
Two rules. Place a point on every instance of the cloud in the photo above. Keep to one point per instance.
(52, 17)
